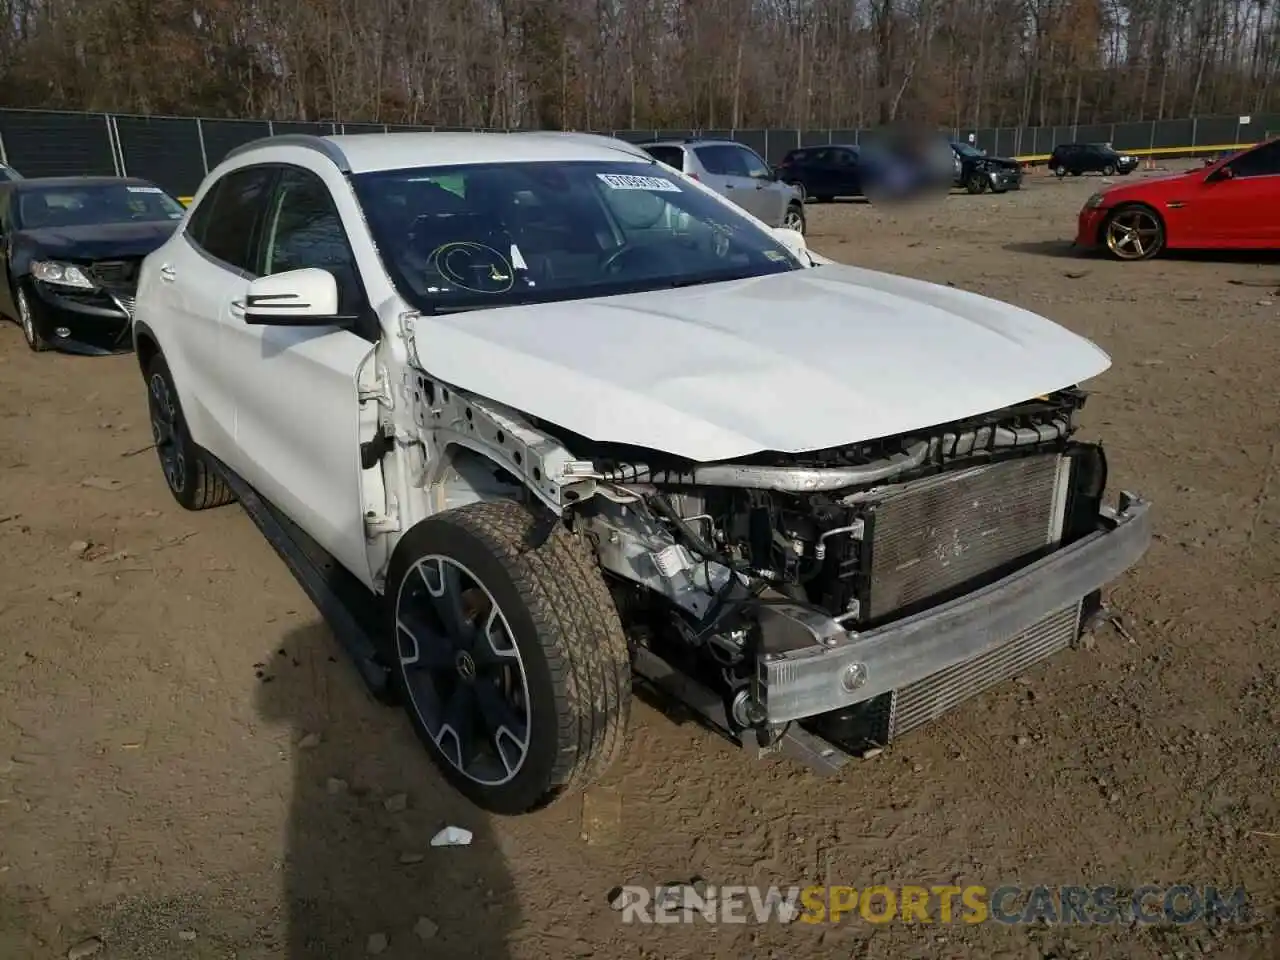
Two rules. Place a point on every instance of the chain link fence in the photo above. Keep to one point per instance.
(176, 152)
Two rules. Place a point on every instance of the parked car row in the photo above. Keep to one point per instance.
(833, 171)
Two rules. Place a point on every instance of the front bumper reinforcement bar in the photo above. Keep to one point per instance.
(812, 664)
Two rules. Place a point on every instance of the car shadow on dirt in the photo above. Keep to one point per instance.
(1049, 248)
(360, 875)
(1065, 249)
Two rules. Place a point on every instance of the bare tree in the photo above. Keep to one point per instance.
(674, 64)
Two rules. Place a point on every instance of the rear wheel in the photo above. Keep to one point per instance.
(1133, 232)
(794, 218)
(509, 655)
(187, 470)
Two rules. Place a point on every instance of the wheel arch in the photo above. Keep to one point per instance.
(146, 346)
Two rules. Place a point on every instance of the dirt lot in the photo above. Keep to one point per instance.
(163, 683)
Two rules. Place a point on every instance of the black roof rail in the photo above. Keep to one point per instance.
(308, 140)
(685, 140)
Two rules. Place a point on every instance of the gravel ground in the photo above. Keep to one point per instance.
(189, 769)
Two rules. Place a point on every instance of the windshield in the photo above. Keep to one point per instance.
(505, 233)
(967, 151)
(92, 204)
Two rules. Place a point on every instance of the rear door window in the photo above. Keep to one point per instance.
(225, 224)
(722, 160)
(671, 156)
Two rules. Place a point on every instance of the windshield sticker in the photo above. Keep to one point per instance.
(626, 181)
(144, 189)
(775, 256)
(473, 267)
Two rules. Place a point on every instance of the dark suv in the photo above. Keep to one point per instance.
(826, 172)
(1078, 158)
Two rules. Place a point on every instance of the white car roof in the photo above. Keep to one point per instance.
(371, 152)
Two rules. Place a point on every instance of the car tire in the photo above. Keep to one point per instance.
(794, 217)
(550, 666)
(976, 183)
(1108, 171)
(1133, 231)
(187, 469)
(27, 319)
(1060, 171)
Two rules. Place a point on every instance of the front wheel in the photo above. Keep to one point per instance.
(794, 219)
(27, 318)
(977, 183)
(1133, 232)
(508, 655)
(1060, 171)
(1108, 170)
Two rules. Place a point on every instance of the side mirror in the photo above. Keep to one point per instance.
(295, 298)
(1221, 173)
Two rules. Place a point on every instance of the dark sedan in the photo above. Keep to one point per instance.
(72, 250)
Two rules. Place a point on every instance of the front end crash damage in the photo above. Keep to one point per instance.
(828, 602)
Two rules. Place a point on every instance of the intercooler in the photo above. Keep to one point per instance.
(925, 700)
(952, 533)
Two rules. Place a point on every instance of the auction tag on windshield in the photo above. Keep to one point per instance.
(144, 190)
(626, 181)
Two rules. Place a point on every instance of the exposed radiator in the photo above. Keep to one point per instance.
(961, 529)
(927, 699)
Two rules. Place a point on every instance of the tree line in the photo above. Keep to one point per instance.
(614, 64)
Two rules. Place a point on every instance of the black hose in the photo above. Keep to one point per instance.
(662, 506)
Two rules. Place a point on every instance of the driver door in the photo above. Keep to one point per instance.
(771, 194)
(1241, 211)
(297, 417)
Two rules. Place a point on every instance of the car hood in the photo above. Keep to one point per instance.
(1152, 186)
(99, 240)
(792, 362)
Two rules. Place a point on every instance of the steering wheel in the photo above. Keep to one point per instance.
(614, 259)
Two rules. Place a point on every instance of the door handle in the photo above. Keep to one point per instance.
(168, 274)
(237, 308)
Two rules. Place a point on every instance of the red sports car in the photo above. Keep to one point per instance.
(1233, 204)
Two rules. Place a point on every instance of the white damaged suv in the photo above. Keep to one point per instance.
(533, 418)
